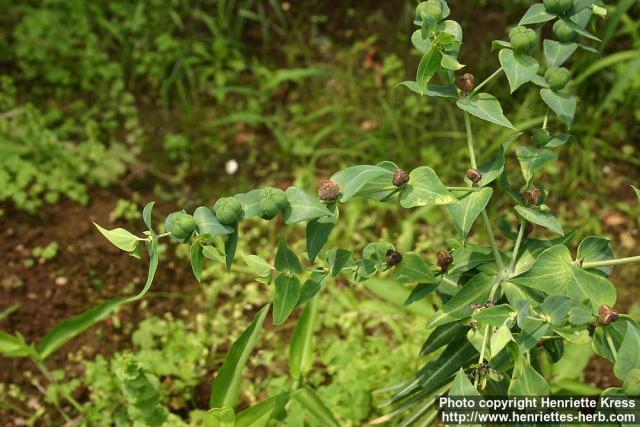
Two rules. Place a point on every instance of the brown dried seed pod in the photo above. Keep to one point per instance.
(606, 315)
(444, 260)
(591, 328)
(328, 191)
(475, 307)
(393, 258)
(532, 196)
(400, 178)
(466, 82)
(474, 175)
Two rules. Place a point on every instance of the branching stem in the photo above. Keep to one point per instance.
(516, 248)
(486, 81)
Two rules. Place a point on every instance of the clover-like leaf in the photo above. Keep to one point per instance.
(467, 210)
(519, 68)
(485, 107)
(556, 53)
(555, 273)
(560, 103)
(533, 159)
(538, 217)
(425, 189)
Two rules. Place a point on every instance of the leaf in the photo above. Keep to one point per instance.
(467, 210)
(628, 353)
(427, 68)
(518, 68)
(616, 331)
(312, 286)
(13, 346)
(219, 417)
(450, 62)
(68, 329)
(419, 42)
(441, 91)
(424, 189)
(258, 265)
(559, 140)
(286, 297)
(301, 348)
(314, 406)
(556, 53)
(353, 180)
(485, 107)
(637, 191)
(544, 219)
(420, 291)
(226, 385)
(556, 308)
(197, 259)
(495, 316)
(250, 203)
(470, 256)
(595, 249)
(532, 159)
(491, 169)
(555, 273)
(560, 103)
(303, 207)
(526, 381)
(261, 413)
(317, 234)
(211, 252)
(461, 386)
(475, 291)
(413, 269)
(536, 14)
(146, 214)
(458, 354)
(120, 238)
(500, 339)
(152, 249)
(581, 31)
(208, 223)
(443, 335)
(286, 260)
(337, 260)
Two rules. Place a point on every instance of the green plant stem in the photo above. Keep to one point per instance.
(472, 154)
(482, 350)
(612, 347)
(609, 262)
(516, 248)
(468, 189)
(546, 118)
(486, 81)
(47, 374)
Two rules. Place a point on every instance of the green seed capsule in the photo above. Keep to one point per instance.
(183, 226)
(558, 77)
(228, 210)
(540, 137)
(522, 39)
(272, 201)
(558, 7)
(564, 32)
(268, 208)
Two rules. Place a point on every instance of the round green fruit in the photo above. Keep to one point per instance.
(558, 7)
(183, 226)
(558, 77)
(540, 137)
(268, 208)
(564, 32)
(272, 201)
(228, 210)
(522, 39)
(432, 8)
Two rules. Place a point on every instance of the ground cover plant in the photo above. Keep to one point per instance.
(506, 308)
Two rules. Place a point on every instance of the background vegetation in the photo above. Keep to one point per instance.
(106, 105)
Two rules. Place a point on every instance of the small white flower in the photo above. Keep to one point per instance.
(231, 167)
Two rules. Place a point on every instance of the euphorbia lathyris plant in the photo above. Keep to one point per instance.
(505, 304)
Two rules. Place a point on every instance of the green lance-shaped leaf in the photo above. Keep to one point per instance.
(67, 329)
(338, 259)
(13, 346)
(468, 257)
(560, 103)
(208, 223)
(536, 14)
(287, 293)
(486, 107)
(441, 91)
(301, 348)
(313, 406)
(595, 249)
(443, 335)
(526, 381)
(628, 353)
(220, 417)
(355, 181)
(467, 210)
(312, 286)
(258, 265)
(226, 386)
(425, 189)
(197, 259)
(458, 354)
(500, 339)
(146, 214)
(581, 31)
(556, 53)
(152, 249)
(420, 291)
(303, 206)
(317, 233)
(518, 68)
(413, 269)
(428, 66)
(475, 291)
(261, 413)
(496, 315)
(450, 62)
(286, 260)
(555, 273)
(120, 238)
(492, 169)
(533, 159)
(461, 386)
(538, 217)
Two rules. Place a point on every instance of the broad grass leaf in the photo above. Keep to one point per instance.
(518, 68)
(486, 107)
(314, 406)
(262, 412)
(226, 385)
